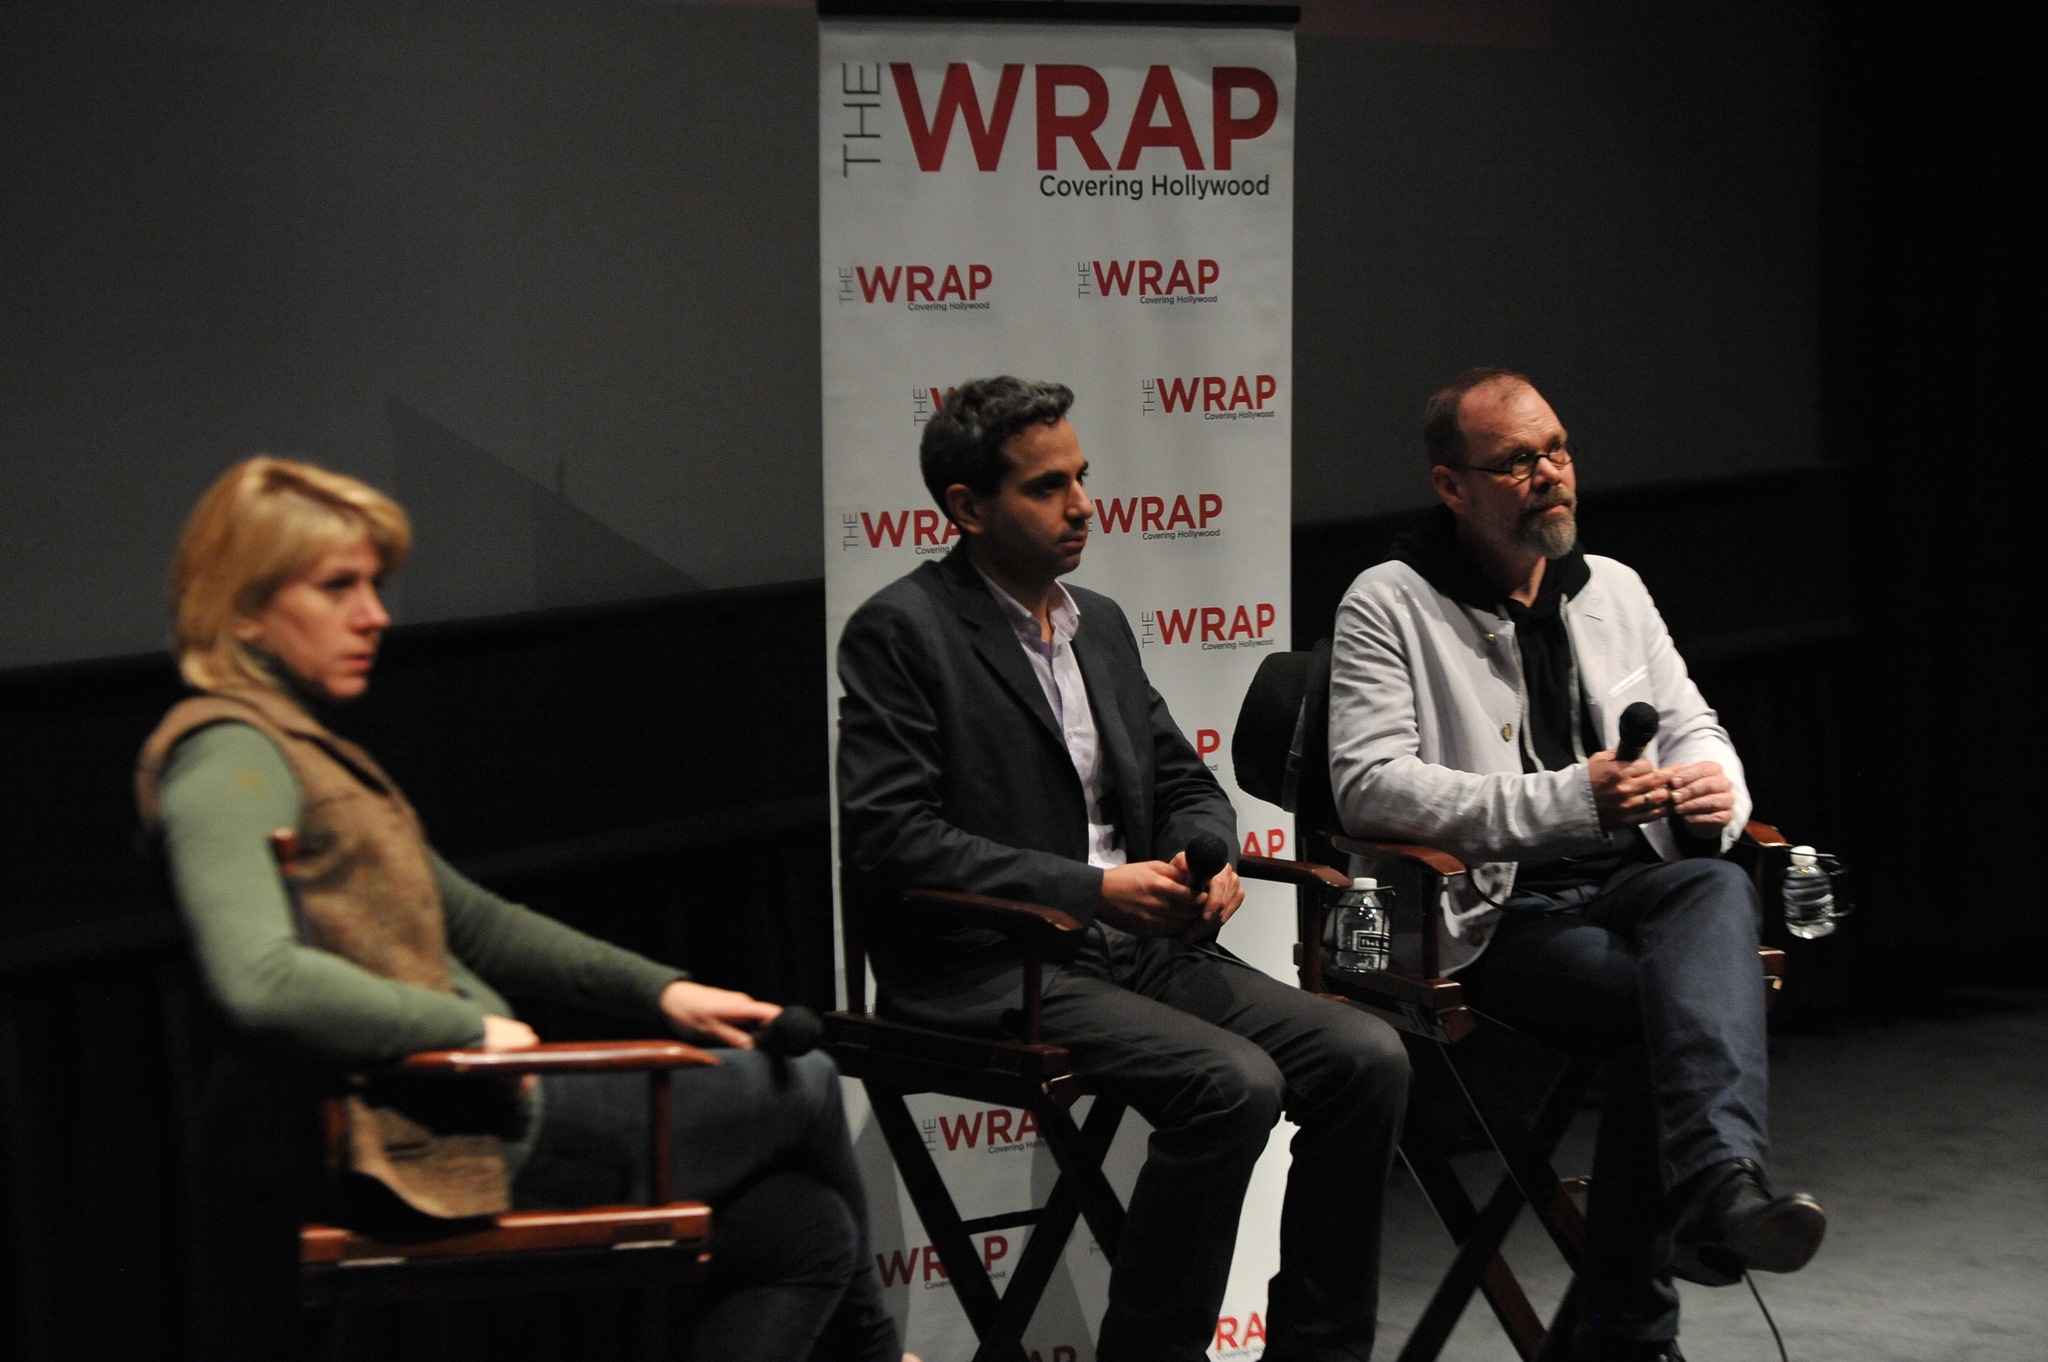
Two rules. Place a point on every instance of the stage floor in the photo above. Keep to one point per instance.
(1927, 1141)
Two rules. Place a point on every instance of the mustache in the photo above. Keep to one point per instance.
(1556, 496)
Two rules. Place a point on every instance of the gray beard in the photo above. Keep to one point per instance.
(1551, 536)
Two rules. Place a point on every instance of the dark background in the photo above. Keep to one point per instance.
(546, 271)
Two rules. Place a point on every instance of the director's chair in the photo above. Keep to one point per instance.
(1447, 1049)
(1281, 753)
(893, 1061)
(284, 1246)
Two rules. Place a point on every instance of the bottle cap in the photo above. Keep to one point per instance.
(1804, 856)
(1365, 882)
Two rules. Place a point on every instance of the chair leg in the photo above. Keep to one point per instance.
(1562, 1325)
(1079, 1154)
(1526, 1150)
(1528, 1162)
(1055, 1225)
(941, 1220)
(1081, 1189)
(1478, 1265)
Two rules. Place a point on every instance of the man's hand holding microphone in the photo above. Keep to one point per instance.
(1628, 791)
(1189, 897)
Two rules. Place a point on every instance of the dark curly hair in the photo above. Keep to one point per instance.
(963, 442)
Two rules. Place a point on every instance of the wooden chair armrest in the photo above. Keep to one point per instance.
(1301, 874)
(1037, 929)
(654, 1057)
(1025, 921)
(1763, 834)
(560, 1057)
(1441, 995)
(1414, 1003)
(1442, 862)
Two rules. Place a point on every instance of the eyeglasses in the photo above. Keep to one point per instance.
(1523, 466)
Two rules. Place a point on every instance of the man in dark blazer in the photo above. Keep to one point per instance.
(998, 735)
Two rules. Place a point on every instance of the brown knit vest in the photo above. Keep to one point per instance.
(364, 889)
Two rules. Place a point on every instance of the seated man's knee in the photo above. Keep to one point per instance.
(1718, 886)
(1377, 1058)
(1363, 1062)
(1244, 1087)
(1723, 875)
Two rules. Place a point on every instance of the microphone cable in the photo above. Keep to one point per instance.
(1776, 1337)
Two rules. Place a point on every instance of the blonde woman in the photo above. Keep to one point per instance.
(385, 949)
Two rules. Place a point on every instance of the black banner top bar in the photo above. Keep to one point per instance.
(1065, 12)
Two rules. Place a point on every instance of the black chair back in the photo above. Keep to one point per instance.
(1281, 750)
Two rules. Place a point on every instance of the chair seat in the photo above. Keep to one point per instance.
(982, 1053)
(598, 1227)
(1432, 1008)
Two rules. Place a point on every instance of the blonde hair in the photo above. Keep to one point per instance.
(265, 522)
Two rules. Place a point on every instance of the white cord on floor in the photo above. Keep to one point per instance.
(1780, 1338)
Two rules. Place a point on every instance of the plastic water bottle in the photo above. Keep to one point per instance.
(1364, 934)
(1809, 896)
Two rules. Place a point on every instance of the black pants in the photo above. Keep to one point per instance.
(1211, 1051)
(1657, 974)
(764, 1141)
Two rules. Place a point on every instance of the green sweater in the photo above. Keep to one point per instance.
(225, 789)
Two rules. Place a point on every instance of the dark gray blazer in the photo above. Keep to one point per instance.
(953, 774)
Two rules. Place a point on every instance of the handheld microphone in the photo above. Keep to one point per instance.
(796, 1032)
(1207, 853)
(1638, 726)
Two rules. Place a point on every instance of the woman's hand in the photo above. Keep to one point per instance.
(503, 1033)
(697, 1009)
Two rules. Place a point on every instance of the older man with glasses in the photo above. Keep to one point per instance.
(1476, 687)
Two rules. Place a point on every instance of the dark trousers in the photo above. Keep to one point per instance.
(1656, 973)
(1211, 1051)
(764, 1141)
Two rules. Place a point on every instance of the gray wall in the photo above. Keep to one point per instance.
(1630, 217)
(548, 272)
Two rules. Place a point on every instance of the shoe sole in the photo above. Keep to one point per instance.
(1783, 1238)
(1706, 1265)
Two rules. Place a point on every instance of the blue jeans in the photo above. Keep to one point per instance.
(764, 1141)
(1656, 973)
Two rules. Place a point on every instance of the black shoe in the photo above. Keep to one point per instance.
(1732, 1222)
(1588, 1346)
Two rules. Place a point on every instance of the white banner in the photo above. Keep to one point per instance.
(1110, 207)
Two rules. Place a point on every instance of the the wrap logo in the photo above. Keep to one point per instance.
(1157, 282)
(922, 1264)
(1228, 1336)
(1243, 104)
(1217, 628)
(1007, 1129)
(1276, 842)
(925, 403)
(1219, 397)
(1156, 519)
(927, 532)
(923, 288)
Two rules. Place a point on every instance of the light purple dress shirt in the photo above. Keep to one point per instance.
(1059, 676)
